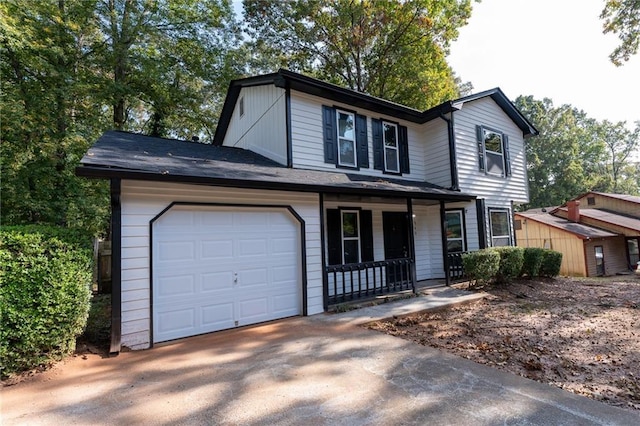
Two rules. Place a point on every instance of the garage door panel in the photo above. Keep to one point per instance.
(212, 247)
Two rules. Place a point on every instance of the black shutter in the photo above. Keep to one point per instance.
(334, 237)
(507, 156)
(362, 141)
(480, 139)
(378, 150)
(366, 235)
(404, 149)
(330, 135)
(482, 222)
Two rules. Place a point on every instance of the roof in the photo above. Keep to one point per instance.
(133, 156)
(580, 230)
(609, 217)
(629, 198)
(302, 83)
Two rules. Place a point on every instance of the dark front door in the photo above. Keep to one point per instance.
(396, 243)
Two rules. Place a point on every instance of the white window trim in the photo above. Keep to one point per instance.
(353, 140)
(508, 213)
(462, 236)
(501, 154)
(357, 238)
(385, 148)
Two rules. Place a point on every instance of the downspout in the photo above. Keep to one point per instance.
(323, 256)
(288, 126)
(412, 244)
(116, 267)
(453, 161)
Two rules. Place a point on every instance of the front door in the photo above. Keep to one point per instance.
(396, 243)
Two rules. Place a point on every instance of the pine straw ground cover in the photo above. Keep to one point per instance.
(582, 335)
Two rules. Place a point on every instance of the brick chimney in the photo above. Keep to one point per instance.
(573, 207)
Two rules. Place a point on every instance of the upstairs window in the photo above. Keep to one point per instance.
(493, 152)
(391, 148)
(500, 230)
(346, 139)
(455, 231)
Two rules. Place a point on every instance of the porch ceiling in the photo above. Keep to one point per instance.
(133, 156)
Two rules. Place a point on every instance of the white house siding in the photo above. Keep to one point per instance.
(493, 188)
(262, 128)
(142, 201)
(436, 153)
(308, 144)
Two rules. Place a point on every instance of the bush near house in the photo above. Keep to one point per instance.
(511, 261)
(482, 265)
(533, 257)
(45, 278)
(551, 262)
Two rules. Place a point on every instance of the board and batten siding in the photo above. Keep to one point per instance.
(486, 112)
(615, 258)
(142, 201)
(262, 128)
(308, 143)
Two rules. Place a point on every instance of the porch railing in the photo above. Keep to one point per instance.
(456, 269)
(367, 279)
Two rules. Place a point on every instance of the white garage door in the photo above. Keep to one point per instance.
(218, 268)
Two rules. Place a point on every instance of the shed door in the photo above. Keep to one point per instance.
(218, 268)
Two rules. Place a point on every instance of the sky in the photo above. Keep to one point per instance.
(548, 48)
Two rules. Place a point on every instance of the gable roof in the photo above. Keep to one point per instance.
(133, 156)
(629, 198)
(582, 231)
(608, 217)
(288, 79)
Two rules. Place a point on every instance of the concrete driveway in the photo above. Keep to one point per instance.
(298, 371)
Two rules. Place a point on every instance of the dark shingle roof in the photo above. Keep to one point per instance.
(133, 156)
(578, 229)
(607, 217)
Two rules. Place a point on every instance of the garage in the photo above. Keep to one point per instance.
(217, 267)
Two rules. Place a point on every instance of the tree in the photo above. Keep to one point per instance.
(622, 17)
(393, 50)
(620, 143)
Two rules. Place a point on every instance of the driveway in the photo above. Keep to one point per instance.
(298, 371)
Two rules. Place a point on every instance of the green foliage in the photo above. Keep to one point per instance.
(393, 50)
(45, 280)
(481, 265)
(551, 263)
(533, 257)
(511, 261)
(622, 17)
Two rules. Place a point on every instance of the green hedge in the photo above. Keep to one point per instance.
(482, 265)
(533, 257)
(45, 278)
(551, 263)
(511, 261)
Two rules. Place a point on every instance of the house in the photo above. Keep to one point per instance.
(597, 233)
(310, 195)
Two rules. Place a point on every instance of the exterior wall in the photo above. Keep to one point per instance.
(437, 161)
(536, 234)
(494, 188)
(142, 201)
(262, 129)
(308, 143)
(615, 258)
(609, 203)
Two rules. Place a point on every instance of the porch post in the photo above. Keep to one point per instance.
(412, 244)
(445, 251)
(325, 279)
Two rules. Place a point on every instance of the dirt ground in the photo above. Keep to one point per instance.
(582, 335)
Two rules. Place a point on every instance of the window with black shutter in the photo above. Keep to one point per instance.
(349, 236)
(345, 138)
(493, 152)
(390, 147)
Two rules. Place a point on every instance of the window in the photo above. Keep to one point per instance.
(391, 149)
(346, 139)
(591, 201)
(346, 143)
(455, 231)
(350, 237)
(500, 230)
(241, 107)
(493, 152)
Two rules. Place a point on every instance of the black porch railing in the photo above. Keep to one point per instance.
(456, 269)
(367, 279)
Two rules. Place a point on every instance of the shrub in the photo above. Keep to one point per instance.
(511, 260)
(533, 257)
(551, 263)
(45, 278)
(481, 265)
